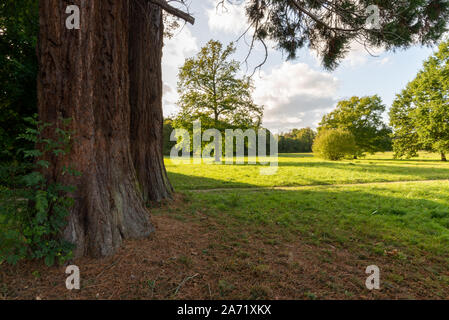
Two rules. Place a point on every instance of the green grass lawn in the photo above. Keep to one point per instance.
(304, 169)
(234, 237)
(402, 225)
(412, 218)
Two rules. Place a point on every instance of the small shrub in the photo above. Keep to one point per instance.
(33, 211)
(334, 144)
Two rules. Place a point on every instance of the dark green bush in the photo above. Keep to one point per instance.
(19, 25)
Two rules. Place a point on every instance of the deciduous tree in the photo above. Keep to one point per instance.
(363, 118)
(209, 86)
(420, 113)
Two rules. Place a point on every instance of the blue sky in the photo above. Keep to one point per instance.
(294, 93)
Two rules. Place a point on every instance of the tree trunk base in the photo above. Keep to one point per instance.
(103, 217)
(83, 75)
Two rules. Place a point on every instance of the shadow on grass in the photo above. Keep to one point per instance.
(436, 161)
(376, 218)
(184, 182)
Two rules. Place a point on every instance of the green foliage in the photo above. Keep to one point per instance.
(363, 118)
(167, 130)
(334, 144)
(211, 91)
(297, 141)
(209, 123)
(19, 25)
(331, 27)
(33, 209)
(419, 114)
(210, 88)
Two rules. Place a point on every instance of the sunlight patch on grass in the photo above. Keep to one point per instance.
(304, 169)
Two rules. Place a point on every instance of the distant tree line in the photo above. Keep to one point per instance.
(419, 117)
(297, 141)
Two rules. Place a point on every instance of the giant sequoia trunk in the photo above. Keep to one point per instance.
(84, 76)
(145, 58)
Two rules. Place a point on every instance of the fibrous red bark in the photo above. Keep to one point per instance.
(145, 59)
(84, 76)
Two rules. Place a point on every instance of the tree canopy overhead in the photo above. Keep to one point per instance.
(331, 26)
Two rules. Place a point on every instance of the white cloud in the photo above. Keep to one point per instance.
(360, 55)
(178, 48)
(230, 19)
(183, 45)
(295, 95)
